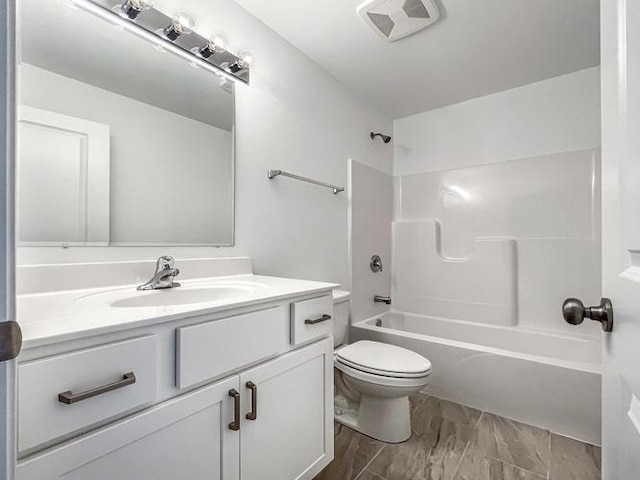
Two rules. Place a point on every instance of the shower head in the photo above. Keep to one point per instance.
(385, 138)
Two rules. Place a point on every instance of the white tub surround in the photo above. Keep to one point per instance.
(206, 371)
(488, 242)
(543, 379)
(481, 287)
(501, 244)
(370, 214)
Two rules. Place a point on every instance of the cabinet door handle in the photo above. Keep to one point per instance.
(323, 318)
(253, 414)
(235, 425)
(69, 397)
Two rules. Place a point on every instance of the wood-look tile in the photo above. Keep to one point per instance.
(417, 400)
(453, 442)
(367, 475)
(353, 451)
(574, 460)
(448, 442)
(441, 431)
(402, 460)
(408, 459)
(513, 442)
(504, 471)
(449, 410)
(476, 465)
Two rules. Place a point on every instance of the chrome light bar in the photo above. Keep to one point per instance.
(151, 24)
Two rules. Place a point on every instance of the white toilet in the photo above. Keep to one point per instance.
(373, 381)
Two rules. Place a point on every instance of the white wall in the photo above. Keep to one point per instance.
(561, 114)
(520, 167)
(294, 116)
(171, 176)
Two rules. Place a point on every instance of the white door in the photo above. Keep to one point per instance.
(188, 437)
(62, 180)
(290, 434)
(621, 236)
(7, 296)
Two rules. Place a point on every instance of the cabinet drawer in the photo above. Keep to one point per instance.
(311, 319)
(51, 403)
(209, 350)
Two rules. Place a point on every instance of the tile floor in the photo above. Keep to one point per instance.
(453, 442)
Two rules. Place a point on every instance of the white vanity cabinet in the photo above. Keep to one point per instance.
(260, 421)
(291, 399)
(186, 437)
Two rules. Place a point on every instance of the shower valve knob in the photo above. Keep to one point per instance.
(376, 264)
(574, 312)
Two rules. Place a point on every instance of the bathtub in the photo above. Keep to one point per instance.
(552, 381)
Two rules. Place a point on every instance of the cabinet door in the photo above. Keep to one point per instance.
(292, 434)
(187, 437)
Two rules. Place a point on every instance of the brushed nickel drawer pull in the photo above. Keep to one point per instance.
(323, 318)
(235, 425)
(253, 414)
(69, 397)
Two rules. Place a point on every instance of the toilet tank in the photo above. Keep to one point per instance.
(340, 316)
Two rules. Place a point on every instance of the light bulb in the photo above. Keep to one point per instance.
(132, 8)
(244, 60)
(214, 44)
(181, 24)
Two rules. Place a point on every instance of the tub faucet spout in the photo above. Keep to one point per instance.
(381, 299)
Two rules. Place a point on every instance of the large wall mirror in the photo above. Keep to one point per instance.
(125, 145)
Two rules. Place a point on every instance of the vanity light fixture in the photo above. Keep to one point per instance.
(132, 8)
(164, 33)
(181, 24)
(243, 61)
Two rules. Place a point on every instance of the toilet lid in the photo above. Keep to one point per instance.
(389, 360)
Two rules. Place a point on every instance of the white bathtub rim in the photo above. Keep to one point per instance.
(583, 337)
(581, 366)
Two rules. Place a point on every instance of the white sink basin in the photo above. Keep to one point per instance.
(180, 296)
(183, 295)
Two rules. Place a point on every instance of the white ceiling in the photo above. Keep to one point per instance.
(478, 47)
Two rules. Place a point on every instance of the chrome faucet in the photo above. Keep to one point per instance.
(381, 299)
(164, 275)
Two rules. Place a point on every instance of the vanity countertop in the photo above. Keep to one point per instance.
(53, 317)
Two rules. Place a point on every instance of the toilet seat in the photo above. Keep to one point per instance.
(378, 380)
(381, 380)
(383, 360)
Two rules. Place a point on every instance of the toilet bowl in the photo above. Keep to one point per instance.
(373, 383)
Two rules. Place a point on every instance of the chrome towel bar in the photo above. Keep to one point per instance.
(271, 174)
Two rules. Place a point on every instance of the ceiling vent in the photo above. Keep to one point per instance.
(395, 19)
